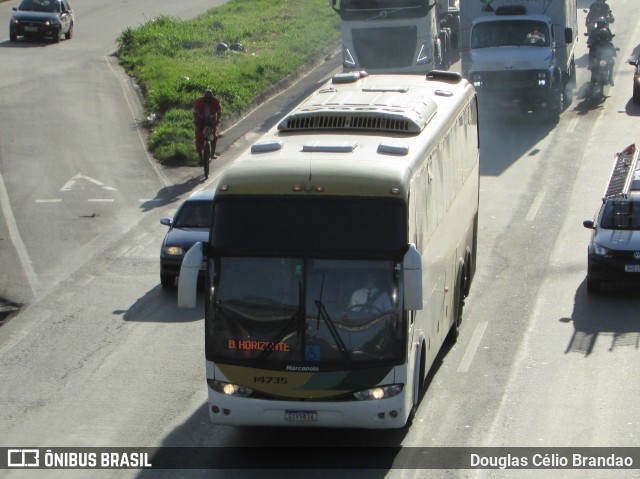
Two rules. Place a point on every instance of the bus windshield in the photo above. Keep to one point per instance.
(293, 312)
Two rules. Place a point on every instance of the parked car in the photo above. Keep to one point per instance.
(636, 79)
(191, 223)
(42, 19)
(614, 249)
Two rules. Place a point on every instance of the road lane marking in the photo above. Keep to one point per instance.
(473, 346)
(69, 184)
(16, 240)
(535, 206)
(56, 200)
(572, 124)
(128, 92)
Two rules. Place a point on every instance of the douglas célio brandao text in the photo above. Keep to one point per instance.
(550, 460)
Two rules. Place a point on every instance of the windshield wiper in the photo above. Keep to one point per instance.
(322, 314)
(280, 335)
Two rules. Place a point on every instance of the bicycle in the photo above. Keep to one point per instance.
(207, 154)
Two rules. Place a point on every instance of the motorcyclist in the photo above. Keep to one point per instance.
(600, 8)
(206, 112)
(601, 25)
(602, 48)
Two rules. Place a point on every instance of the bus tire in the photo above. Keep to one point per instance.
(419, 386)
(458, 304)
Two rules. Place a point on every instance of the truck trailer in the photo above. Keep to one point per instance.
(520, 52)
(398, 36)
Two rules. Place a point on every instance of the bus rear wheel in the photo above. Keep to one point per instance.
(458, 304)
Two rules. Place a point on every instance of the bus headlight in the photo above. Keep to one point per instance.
(229, 389)
(476, 79)
(380, 392)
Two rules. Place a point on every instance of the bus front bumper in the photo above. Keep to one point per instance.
(390, 413)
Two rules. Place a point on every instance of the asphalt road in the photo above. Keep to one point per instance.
(103, 357)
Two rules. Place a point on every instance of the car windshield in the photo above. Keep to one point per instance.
(621, 215)
(39, 6)
(313, 312)
(194, 214)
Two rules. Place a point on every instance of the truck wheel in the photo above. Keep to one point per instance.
(593, 285)
(445, 49)
(167, 280)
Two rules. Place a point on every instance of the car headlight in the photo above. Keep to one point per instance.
(380, 392)
(173, 250)
(229, 389)
(53, 23)
(15, 21)
(600, 250)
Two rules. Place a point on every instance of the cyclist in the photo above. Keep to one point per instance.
(206, 112)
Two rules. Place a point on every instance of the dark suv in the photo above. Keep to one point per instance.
(614, 249)
(41, 19)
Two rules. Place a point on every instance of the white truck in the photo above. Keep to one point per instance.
(398, 36)
(520, 52)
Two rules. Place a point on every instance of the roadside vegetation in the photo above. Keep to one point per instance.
(175, 60)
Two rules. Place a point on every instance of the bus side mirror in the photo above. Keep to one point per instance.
(412, 279)
(188, 279)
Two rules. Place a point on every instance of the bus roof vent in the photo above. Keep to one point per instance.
(394, 110)
(393, 149)
(511, 10)
(444, 76)
(266, 146)
(349, 77)
(347, 147)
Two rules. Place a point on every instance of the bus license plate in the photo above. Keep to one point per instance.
(301, 416)
(632, 268)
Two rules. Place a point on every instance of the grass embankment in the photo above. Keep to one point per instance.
(175, 60)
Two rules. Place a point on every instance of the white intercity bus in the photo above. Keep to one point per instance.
(342, 248)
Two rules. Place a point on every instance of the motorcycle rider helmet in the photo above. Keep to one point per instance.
(603, 35)
(601, 22)
(208, 94)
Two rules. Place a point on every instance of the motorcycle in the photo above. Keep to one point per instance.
(602, 67)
